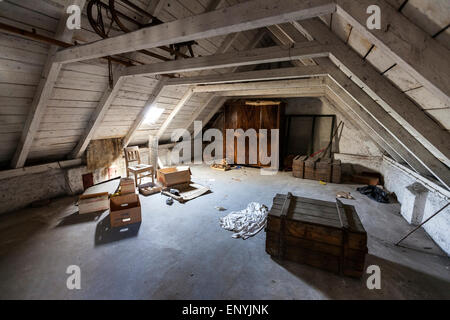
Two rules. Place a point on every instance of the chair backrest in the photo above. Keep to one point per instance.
(132, 155)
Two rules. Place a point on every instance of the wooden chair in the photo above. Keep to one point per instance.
(139, 170)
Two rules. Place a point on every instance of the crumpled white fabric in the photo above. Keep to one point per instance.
(246, 223)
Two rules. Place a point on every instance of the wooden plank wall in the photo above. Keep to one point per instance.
(21, 63)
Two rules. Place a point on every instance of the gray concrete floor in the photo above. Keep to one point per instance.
(180, 252)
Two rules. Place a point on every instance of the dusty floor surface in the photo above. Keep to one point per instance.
(180, 251)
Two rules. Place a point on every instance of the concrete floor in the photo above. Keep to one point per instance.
(180, 252)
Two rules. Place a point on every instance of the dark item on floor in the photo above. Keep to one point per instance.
(88, 180)
(105, 234)
(169, 177)
(150, 188)
(374, 193)
(125, 210)
(169, 201)
(175, 192)
(90, 203)
(318, 233)
(368, 178)
(187, 191)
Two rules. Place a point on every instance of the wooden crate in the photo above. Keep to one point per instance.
(298, 166)
(323, 170)
(322, 234)
(95, 202)
(125, 210)
(336, 172)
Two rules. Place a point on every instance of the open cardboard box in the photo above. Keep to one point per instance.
(125, 210)
(174, 175)
(95, 202)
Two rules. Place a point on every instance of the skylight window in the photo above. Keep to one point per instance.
(153, 115)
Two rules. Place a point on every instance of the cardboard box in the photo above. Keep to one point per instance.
(173, 176)
(93, 202)
(125, 210)
(127, 185)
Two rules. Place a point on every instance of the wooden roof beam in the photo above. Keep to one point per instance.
(243, 16)
(44, 90)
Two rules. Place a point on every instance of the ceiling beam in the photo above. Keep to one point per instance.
(233, 59)
(258, 75)
(44, 90)
(278, 93)
(411, 48)
(262, 85)
(240, 17)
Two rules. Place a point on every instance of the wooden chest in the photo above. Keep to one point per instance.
(298, 166)
(323, 170)
(322, 234)
(336, 172)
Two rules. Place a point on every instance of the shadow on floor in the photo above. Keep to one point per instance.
(397, 282)
(104, 233)
(76, 218)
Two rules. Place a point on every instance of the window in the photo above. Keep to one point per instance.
(153, 115)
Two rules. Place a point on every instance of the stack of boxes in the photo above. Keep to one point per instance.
(315, 168)
(125, 208)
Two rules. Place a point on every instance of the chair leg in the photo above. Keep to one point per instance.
(136, 179)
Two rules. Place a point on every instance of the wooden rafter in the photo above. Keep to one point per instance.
(44, 91)
(243, 16)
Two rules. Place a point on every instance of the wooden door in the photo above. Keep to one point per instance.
(238, 115)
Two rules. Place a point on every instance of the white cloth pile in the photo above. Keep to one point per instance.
(246, 223)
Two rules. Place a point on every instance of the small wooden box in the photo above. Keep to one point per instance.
(173, 176)
(298, 166)
(322, 234)
(310, 169)
(336, 172)
(323, 170)
(127, 185)
(125, 210)
(95, 202)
